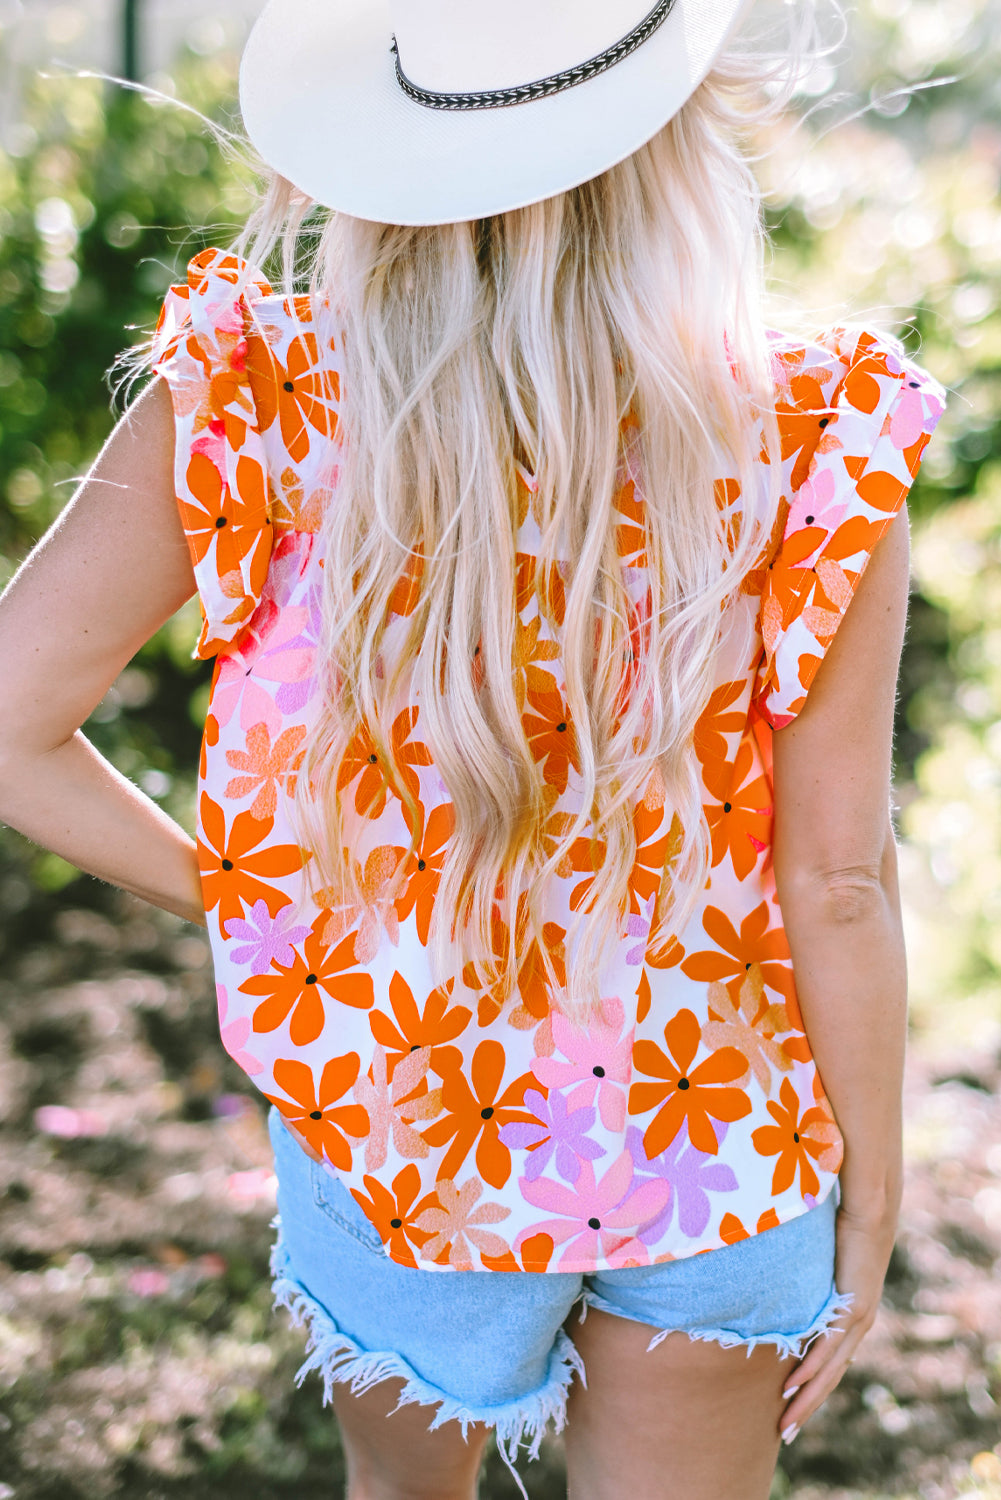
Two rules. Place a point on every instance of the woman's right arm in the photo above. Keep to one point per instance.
(836, 874)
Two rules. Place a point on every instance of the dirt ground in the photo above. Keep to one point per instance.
(140, 1359)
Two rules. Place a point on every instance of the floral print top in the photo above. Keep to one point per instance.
(689, 1113)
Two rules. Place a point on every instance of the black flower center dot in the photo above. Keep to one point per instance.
(561, 727)
(422, 864)
(824, 421)
(683, 1083)
(727, 806)
(227, 864)
(415, 1046)
(372, 758)
(396, 1223)
(220, 521)
(310, 978)
(809, 520)
(316, 1114)
(594, 1223)
(912, 384)
(746, 968)
(288, 386)
(795, 1136)
(487, 1114)
(598, 1072)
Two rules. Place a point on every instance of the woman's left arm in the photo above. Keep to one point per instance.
(102, 580)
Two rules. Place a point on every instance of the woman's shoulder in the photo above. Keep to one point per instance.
(853, 363)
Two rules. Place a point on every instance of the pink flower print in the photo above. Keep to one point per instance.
(268, 939)
(691, 1175)
(287, 566)
(234, 1035)
(289, 658)
(907, 421)
(597, 1219)
(235, 683)
(814, 503)
(459, 1220)
(599, 1062)
(555, 1129)
(212, 444)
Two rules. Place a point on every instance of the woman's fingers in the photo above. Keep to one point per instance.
(818, 1374)
(863, 1254)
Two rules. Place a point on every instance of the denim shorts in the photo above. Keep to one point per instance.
(490, 1347)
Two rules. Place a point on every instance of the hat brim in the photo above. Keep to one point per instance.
(322, 105)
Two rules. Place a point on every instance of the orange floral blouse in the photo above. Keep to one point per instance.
(689, 1113)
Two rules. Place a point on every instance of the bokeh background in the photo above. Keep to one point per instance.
(138, 1353)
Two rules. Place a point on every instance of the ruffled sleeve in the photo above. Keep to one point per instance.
(200, 349)
(870, 440)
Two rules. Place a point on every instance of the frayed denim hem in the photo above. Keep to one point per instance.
(340, 1360)
(792, 1345)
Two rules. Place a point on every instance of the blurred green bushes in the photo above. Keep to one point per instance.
(102, 206)
(893, 218)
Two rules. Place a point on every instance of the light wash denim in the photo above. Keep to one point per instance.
(489, 1346)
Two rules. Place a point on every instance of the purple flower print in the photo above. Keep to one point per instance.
(599, 1062)
(555, 1129)
(691, 1174)
(289, 659)
(234, 1034)
(597, 1219)
(268, 939)
(638, 926)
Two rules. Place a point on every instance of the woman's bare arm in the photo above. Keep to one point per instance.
(835, 867)
(107, 575)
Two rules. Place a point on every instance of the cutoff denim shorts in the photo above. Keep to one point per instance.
(490, 1347)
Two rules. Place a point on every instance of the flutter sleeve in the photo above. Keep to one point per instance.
(874, 430)
(200, 349)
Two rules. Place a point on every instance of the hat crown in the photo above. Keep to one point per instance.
(464, 46)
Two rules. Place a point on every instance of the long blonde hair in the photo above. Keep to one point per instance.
(608, 334)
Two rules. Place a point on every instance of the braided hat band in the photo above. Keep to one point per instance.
(556, 83)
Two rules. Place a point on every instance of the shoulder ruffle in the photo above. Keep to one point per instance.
(200, 349)
(855, 416)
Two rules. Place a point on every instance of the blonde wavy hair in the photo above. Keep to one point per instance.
(611, 331)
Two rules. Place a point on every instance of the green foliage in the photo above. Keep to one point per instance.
(100, 213)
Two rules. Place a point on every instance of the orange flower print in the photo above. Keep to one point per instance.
(235, 868)
(756, 943)
(314, 1112)
(530, 649)
(362, 760)
(751, 1025)
(658, 843)
(301, 394)
(731, 1229)
(375, 919)
(396, 1214)
(550, 735)
(740, 816)
(411, 1030)
(403, 599)
(266, 767)
(475, 1109)
(718, 719)
(630, 534)
(802, 417)
(295, 509)
(695, 1096)
(792, 1141)
(295, 989)
(423, 871)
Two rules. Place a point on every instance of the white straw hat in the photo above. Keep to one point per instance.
(476, 107)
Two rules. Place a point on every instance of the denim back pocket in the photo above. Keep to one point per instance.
(333, 1199)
